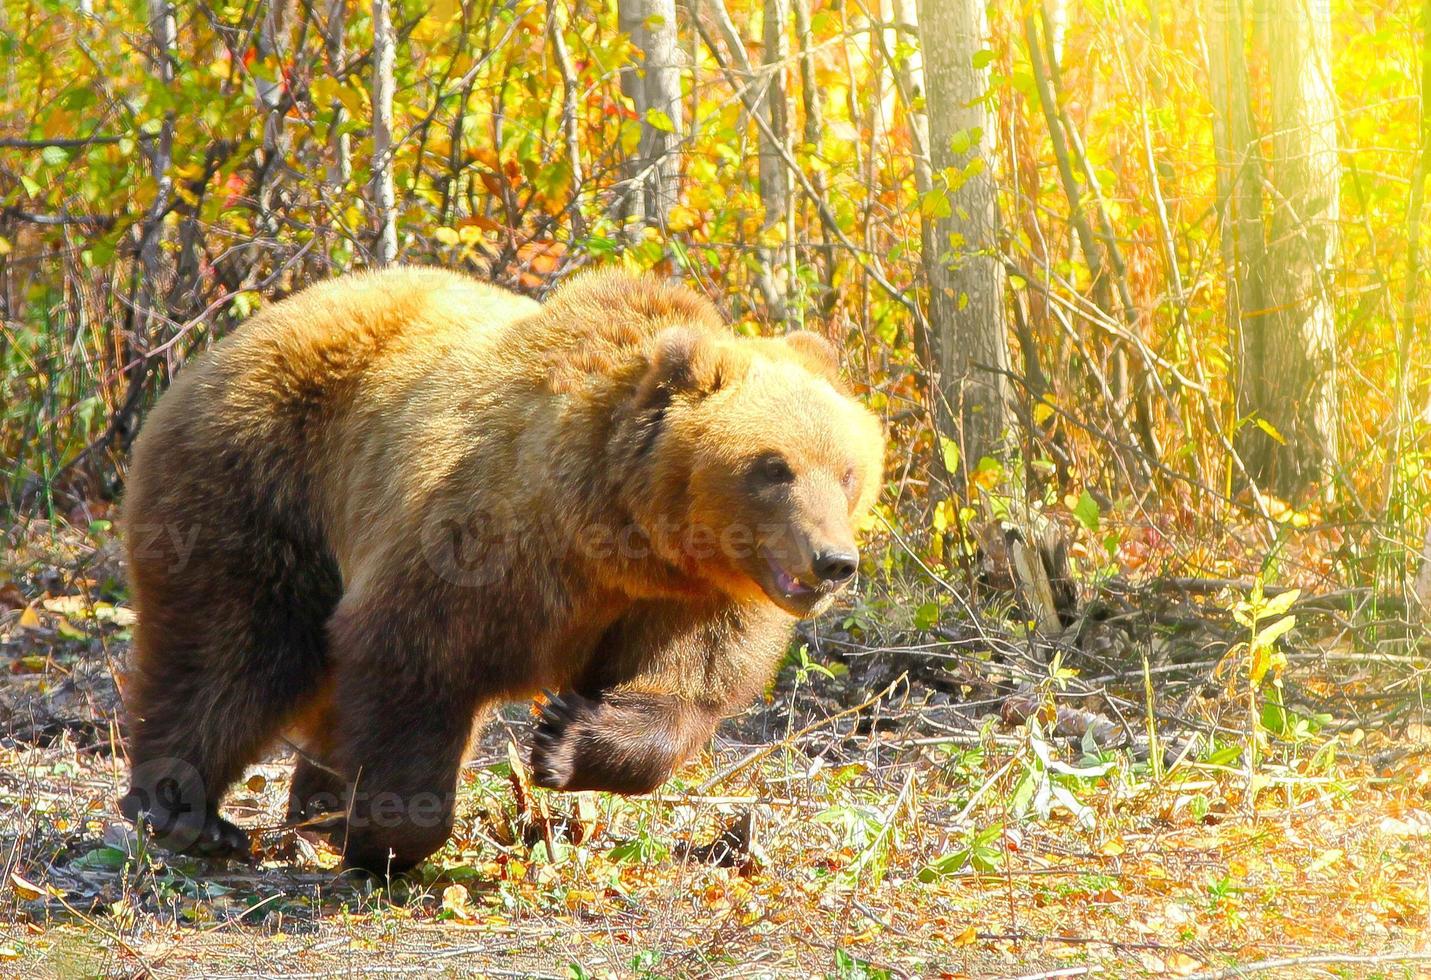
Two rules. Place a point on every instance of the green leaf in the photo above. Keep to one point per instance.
(982, 59)
(658, 119)
(101, 859)
(926, 616)
(934, 203)
(950, 449)
(1278, 604)
(54, 156)
(848, 967)
(1087, 511)
(960, 142)
(1268, 635)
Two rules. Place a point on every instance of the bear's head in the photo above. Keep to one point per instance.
(762, 464)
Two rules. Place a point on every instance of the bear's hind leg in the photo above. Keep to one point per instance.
(215, 678)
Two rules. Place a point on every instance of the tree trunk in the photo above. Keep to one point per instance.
(339, 167)
(383, 198)
(775, 183)
(909, 75)
(964, 267)
(163, 38)
(774, 177)
(272, 42)
(1239, 176)
(654, 87)
(570, 99)
(1300, 399)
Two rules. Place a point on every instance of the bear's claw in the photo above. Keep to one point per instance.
(552, 757)
(222, 840)
(216, 839)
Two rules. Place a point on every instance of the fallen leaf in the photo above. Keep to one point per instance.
(455, 901)
(1325, 860)
(68, 605)
(26, 890)
(1181, 964)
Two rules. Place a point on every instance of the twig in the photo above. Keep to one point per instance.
(1318, 959)
(791, 739)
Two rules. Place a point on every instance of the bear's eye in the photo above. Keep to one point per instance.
(847, 479)
(772, 469)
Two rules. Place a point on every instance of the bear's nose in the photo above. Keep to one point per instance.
(834, 565)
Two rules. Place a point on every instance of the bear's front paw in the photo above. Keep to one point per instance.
(185, 830)
(619, 742)
(556, 743)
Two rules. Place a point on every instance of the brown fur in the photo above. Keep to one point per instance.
(397, 498)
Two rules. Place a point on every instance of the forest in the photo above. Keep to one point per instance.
(1133, 677)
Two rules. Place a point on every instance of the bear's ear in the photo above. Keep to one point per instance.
(684, 360)
(816, 353)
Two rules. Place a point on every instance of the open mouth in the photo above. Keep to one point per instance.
(787, 591)
(785, 583)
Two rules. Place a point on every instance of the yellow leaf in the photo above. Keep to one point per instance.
(26, 890)
(657, 119)
(118, 615)
(30, 620)
(1325, 860)
(68, 630)
(681, 218)
(447, 236)
(1261, 662)
(454, 900)
(1181, 964)
(1042, 412)
(68, 605)
(968, 937)
(1270, 429)
(578, 898)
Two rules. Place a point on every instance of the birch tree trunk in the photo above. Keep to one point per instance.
(775, 179)
(383, 198)
(964, 268)
(1300, 399)
(654, 88)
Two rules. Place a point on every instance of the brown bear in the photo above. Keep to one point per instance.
(397, 498)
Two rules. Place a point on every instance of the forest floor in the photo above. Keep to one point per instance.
(852, 825)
